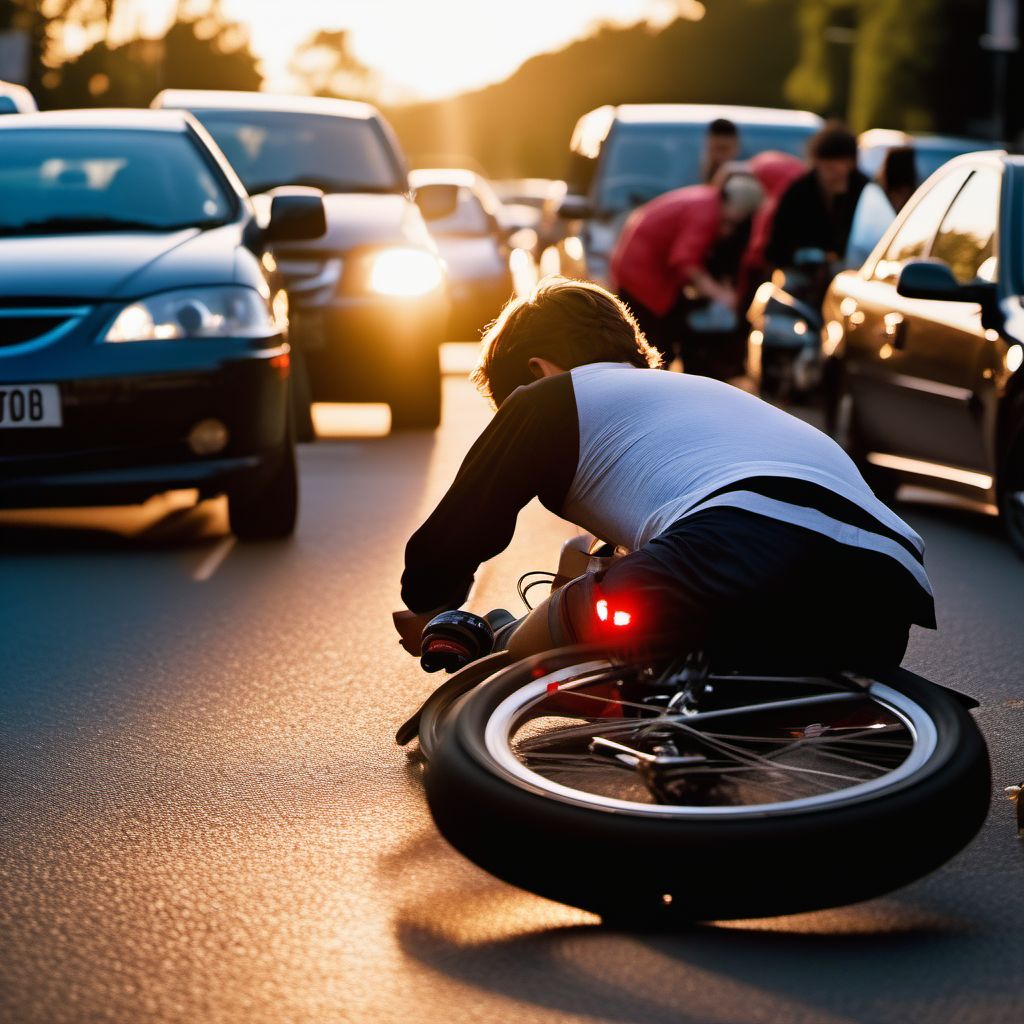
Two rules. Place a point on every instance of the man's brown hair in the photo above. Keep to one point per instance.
(567, 322)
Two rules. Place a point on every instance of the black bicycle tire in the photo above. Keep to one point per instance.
(710, 870)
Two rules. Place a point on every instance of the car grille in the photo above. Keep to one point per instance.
(311, 278)
(23, 325)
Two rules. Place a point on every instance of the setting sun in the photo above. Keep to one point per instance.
(419, 50)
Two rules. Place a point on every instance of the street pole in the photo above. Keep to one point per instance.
(1001, 40)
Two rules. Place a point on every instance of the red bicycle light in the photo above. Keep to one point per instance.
(617, 618)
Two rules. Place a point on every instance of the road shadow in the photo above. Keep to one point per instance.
(846, 961)
(157, 525)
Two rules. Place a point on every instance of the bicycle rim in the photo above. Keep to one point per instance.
(768, 745)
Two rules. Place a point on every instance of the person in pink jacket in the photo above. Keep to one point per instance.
(775, 172)
(664, 247)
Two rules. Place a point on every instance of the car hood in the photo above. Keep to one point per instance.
(361, 218)
(110, 265)
(471, 257)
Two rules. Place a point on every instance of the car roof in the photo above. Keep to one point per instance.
(226, 99)
(703, 113)
(895, 137)
(148, 120)
(442, 176)
(22, 98)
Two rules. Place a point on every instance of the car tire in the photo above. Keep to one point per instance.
(1011, 497)
(302, 398)
(416, 403)
(268, 512)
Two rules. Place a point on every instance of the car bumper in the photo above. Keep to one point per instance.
(475, 303)
(356, 347)
(125, 438)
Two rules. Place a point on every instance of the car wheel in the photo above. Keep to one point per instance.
(268, 512)
(1011, 498)
(302, 398)
(416, 405)
(843, 425)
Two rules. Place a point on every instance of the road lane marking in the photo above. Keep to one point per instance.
(212, 562)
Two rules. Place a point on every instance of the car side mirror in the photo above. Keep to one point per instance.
(929, 279)
(575, 208)
(933, 279)
(437, 201)
(296, 215)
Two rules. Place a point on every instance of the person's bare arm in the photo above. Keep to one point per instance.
(707, 286)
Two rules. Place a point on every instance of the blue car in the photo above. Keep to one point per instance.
(142, 327)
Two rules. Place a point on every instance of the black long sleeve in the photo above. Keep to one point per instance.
(529, 450)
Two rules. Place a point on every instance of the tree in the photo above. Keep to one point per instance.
(912, 64)
(898, 42)
(326, 66)
(208, 52)
(739, 52)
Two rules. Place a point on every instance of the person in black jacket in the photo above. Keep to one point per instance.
(817, 209)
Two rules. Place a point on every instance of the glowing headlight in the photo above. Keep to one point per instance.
(225, 312)
(405, 272)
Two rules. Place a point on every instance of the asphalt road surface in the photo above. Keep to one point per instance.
(205, 818)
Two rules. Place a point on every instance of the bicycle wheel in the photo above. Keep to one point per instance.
(577, 779)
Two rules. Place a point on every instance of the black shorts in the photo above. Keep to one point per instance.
(750, 591)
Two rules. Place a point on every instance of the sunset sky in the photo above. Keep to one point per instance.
(430, 47)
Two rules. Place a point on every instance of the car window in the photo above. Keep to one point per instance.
(83, 179)
(914, 238)
(7, 105)
(268, 148)
(468, 217)
(966, 238)
(642, 161)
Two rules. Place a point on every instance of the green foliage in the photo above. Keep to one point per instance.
(810, 84)
(204, 53)
(740, 52)
(898, 42)
(909, 64)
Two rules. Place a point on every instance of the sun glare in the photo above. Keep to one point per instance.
(420, 50)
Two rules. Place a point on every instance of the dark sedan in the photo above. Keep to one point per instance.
(369, 298)
(141, 333)
(927, 341)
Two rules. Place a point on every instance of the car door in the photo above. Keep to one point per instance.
(943, 348)
(874, 321)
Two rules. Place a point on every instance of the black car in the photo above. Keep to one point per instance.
(369, 298)
(141, 336)
(927, 341)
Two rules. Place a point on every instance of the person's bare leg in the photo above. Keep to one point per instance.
(533, 634)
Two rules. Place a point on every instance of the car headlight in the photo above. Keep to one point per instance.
(405, 272)
(229, 311)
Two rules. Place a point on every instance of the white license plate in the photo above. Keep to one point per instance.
(29, 405)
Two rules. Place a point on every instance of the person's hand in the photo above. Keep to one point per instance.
(410, 628)
(726, 296)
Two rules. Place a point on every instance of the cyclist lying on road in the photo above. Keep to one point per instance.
(753, 536)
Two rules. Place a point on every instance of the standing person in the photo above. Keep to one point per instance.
(898, 176)
(721, 146)
(666, 246)
(817, 210)
(775, 172)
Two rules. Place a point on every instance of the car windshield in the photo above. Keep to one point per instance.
(928, 160)
(642, 161)
(468, 217)
(55, 181)
(268, 148)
